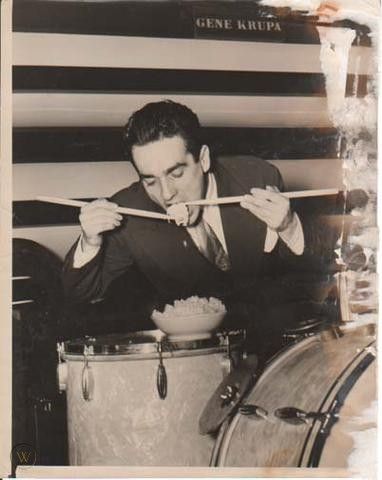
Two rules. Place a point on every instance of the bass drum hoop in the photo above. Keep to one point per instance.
(332, 403)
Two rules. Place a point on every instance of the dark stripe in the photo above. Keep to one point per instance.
(28, 213)
(165, 81)
(33, 213)
(55, 145)
(160, 19)
(24, 290)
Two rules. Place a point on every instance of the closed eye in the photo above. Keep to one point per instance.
(178, 172)
(149, 181)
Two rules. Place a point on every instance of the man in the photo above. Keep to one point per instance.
(233, 252)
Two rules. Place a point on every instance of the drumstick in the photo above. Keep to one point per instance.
(239, 198)
(127, 211)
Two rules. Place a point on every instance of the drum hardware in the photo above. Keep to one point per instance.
(336, 405)
(295, 416)
(228, 361)
(229, 395)
(161, 375)
(87, 378)
(371, 349)
(233, 356)
(253, 411)
(60, 347)
(62, 368)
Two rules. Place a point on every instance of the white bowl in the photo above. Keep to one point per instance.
(193, 326)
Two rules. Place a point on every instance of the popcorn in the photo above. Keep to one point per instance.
(180, 213)
(192, 306)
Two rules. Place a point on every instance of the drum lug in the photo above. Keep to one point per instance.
(62, 369)
(161, 375)
(62, 376)
(253, 411)
(87, 383)
(296, 416)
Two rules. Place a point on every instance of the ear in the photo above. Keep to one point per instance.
(204, 158)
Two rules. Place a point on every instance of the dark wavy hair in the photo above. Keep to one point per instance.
(164, 119)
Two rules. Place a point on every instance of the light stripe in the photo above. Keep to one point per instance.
(58, 239)
(71, 180)
(139, 52)
(20, 302)
(311, 174)
(25, 277)
(61, 109)
(102, 179)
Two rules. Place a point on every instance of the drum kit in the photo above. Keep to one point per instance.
(142, 399)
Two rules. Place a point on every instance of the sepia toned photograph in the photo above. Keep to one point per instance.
(194, 237)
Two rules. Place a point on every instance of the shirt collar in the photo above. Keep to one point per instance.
(212, 189)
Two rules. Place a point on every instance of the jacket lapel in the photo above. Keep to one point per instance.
(244, 233)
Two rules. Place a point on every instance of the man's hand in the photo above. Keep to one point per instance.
(270, 206)
(97, 217)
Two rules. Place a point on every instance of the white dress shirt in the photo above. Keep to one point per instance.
(293, 236)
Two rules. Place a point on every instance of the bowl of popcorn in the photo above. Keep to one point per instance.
(192, 318)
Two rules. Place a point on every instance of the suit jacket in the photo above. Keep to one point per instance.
(172, 265)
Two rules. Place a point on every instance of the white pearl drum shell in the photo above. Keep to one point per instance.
(126, 423)
(300, 377)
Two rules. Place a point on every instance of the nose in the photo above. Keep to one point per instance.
(168, 190)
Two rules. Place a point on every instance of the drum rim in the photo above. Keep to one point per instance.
(342, 385)
(103, 346)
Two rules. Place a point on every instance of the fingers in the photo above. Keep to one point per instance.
(258, 211)
(269, 205)
(270, 194)
(99, 203)
(99, 216)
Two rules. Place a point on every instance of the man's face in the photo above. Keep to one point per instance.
(170, 174)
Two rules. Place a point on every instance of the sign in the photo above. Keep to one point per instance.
(238, 28)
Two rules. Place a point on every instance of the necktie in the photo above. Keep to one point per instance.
(212, 248)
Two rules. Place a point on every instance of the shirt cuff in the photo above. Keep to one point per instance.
(293, 236)
(83, 256)
(270, 240)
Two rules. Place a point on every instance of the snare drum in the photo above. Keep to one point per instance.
(135, 399)
(302, 411)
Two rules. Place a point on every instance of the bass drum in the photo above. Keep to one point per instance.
(303, 410)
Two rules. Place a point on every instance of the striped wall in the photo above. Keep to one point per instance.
(81, 68)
